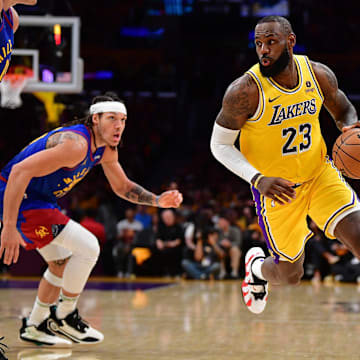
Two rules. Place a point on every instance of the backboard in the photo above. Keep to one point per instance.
(50, 46)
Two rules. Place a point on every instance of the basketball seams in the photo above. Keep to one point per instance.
(343, 156)
(352, 132)
(345, 169)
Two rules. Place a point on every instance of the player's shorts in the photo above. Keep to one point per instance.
(327, 199)
(39, 221)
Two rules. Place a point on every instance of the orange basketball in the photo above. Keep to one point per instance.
(346, 153)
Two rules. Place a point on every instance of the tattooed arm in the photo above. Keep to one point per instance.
(335, 101)
(129, 190)
(63, 136)
(67, 153)
(239, 103)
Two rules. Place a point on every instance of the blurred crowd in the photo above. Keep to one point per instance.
(206, 238)
(173, 86)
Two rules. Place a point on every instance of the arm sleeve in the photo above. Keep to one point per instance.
(223, 148)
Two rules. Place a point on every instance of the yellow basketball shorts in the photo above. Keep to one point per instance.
(326, 199)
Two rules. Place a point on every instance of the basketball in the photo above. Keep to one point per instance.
(346, 153)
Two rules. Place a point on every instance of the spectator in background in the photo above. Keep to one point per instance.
(321, 256)
(129, 223)
(169, 244)
(202, 221)
(230, 240)
(142, 216)
(203, 262)
(106, 215)
(126, 230)
(89, 222)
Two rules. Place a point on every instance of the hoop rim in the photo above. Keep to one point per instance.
(12, 75)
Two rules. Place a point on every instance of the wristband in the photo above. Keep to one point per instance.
(256, 183)
(157, 200)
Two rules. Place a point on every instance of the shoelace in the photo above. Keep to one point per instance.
(258, 289)
(80, 323)
(259, 295)
(2, 344)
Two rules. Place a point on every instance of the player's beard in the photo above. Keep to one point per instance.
(278, 66)
(102, 137)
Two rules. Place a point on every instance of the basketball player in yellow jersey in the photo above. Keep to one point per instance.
(283, 156)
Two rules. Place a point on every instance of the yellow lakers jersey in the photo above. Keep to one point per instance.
(283, 138)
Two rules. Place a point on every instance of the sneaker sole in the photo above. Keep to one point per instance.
(45, 345)
(55, 328)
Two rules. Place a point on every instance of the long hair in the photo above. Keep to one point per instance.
(87, 120)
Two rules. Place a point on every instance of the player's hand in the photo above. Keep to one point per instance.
(346, 128)
(10, 241)
(277, 189)
(170, 199)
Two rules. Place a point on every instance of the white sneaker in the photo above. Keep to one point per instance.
(42, 335)
(74, 328)
(254, 290)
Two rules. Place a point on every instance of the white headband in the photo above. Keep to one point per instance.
(108, 106)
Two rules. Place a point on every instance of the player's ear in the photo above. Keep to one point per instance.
(95, 119)
(292, 40)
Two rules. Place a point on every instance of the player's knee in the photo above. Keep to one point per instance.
(57, 267)
(93, 249)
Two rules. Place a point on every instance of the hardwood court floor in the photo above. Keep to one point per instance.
(203, 321)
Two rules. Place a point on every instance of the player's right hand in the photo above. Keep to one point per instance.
(349, 127)
(10, 241)
(277, 189)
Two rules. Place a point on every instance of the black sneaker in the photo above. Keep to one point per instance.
(41, 335)
(74, 328)
(2, 351)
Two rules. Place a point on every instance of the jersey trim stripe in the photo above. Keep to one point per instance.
(2, 22)
(261, 97)
(345, 207)
(339, 212)
(89, 147)
(311, 71)
(265, 227)
(7, 19)
(259, 210)
(289, 91)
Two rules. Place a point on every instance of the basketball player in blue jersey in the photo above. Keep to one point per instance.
(8, 26)
(275, 107)
(30, 184)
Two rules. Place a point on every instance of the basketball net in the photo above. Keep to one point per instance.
(12, 84)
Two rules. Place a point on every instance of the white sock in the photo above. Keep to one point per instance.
(256, 268)
(66, 305)
(39, 312)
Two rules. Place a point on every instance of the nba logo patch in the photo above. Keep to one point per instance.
(308, 84)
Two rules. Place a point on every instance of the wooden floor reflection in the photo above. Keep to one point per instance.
(203, 321)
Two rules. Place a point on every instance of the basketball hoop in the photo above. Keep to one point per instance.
(12, 84)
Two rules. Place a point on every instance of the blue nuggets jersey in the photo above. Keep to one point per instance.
(40, 218)
(53, 186)
(6, 41)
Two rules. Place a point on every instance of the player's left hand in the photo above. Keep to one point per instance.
(355, 125)
(170, 199)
